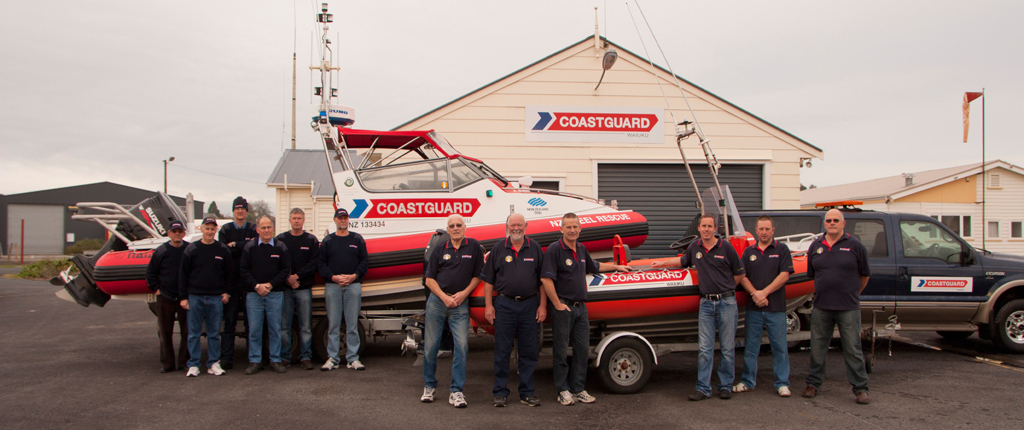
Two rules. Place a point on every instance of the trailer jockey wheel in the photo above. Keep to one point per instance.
(682, 243)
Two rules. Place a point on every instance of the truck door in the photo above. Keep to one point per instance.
(874, 231)
(939, 282)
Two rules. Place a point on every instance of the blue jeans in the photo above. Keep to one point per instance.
(822, 324)
(256, 307)
(343, 301)
(721, 315)
(298, 302)
(515, 320)
(775, 324)
(458, 319)
(208, 309)
(572, 325)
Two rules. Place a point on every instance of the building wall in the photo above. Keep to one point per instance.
(964, 190)
(487, 123)
(319, 212)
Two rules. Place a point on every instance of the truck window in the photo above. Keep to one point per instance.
(787, 225)
(871, 233)
(924, 239)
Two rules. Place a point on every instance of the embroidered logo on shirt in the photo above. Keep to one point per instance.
(218, 257)
(753, 258)
(527, 259)
(447, 257)
(820, 250)
(508, 258)
(467, 256)
(568, 262)
(699, 255)
(773, 256)
(719, 256)
(353, 246)
(275, 256)
(304, 248)
(844, 249)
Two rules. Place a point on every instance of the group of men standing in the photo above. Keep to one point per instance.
(246, 267)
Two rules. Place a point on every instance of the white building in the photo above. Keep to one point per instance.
(952, 195)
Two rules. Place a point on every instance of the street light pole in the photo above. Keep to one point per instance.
(165, 172)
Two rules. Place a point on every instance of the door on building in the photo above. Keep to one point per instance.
(44, 228)
(662, 193)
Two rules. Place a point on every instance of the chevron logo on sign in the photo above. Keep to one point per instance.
(537, 201)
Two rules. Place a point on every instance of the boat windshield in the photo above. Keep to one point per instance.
(426, 175)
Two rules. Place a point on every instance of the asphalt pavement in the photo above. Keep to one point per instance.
(65, 366)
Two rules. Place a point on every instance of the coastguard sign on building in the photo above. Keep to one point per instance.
(594, 124)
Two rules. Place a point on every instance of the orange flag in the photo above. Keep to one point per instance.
(968, 98)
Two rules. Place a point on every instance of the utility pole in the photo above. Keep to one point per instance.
(172, 159)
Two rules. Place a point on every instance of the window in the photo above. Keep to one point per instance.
(870, 232)
(959, 224)
(967, 227)
(429, 175)
(923, 239)
(993, 229)
(1015, 230)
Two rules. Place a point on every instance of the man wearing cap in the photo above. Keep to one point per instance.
(162, 279)
(453, 271)
(206, 273)
(719, 271)
(838, 264)
(235, 235)
(343, 263)
(564, 276)
(264, 268)
(304, 254)
(513, 271)
(768, 265)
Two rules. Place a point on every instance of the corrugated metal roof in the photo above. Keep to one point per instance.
(886, 187)
(303, 166)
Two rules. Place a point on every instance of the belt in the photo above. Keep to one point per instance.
(717, 297)
(571, 303)
(517, 298)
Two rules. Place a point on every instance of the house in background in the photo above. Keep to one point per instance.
(952, 195)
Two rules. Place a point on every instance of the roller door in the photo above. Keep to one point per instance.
(44, 228)
(663, 194)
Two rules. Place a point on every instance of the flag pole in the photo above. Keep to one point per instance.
(984, 224)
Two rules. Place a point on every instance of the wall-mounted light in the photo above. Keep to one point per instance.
(606, 63)
(805, 162)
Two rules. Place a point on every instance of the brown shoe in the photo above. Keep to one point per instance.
(862, 398)
(810, 392)
(306, 364)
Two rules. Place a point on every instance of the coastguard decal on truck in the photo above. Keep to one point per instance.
(945, 284)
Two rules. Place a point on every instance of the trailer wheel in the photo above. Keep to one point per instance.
(626, 366)
(796, 322)
(1010, 326)
(320, 339)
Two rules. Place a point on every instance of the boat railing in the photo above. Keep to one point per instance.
(104, 212)
(799, 243)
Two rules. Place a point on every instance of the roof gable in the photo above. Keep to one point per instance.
(302, 167)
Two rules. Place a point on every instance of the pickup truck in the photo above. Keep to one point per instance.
(926, 275)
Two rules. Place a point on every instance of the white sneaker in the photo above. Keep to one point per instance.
(784, 392)
(457, 399)
(565, 398)
(192, 372)
(741, 387)
(428, 395)
(356, 365)
(584, 397)
(328, 365)
(215, 369)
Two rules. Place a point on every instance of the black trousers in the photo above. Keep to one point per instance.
(166, 310)
(227, 336)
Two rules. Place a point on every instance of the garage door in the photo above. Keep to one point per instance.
(663, 194)
(44, 228)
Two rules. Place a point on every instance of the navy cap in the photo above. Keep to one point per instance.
(240, 203)
(209, 220)
(177, 225)
(341, 212)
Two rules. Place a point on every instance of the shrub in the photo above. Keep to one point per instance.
(44, 269)
(83, 245)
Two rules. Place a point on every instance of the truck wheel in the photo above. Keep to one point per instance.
(955, 335)
(1010, 326)
(320, 340)
(626, 366)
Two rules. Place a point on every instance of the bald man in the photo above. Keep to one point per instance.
(838, 264)
(453, 271)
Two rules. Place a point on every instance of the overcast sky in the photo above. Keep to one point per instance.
(95, 91)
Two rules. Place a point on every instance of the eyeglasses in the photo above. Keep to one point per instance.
(832, 220)
(454, 225)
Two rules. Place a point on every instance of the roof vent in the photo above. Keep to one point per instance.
(910, 178)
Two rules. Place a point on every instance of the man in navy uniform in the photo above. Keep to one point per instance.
(768, 265)
(564, 277)
(206, 273)
(162, 279)
(304, 252)
(513, 271)
(719, 271)
(838, 264)
(343, 263)
(235, 235)
(453, 272)
(265, 268)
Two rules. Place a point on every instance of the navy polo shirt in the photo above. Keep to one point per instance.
(836, 271)
(763, 267)
(716, 267)
(452, 268)
(568, 269)
(514, 273)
